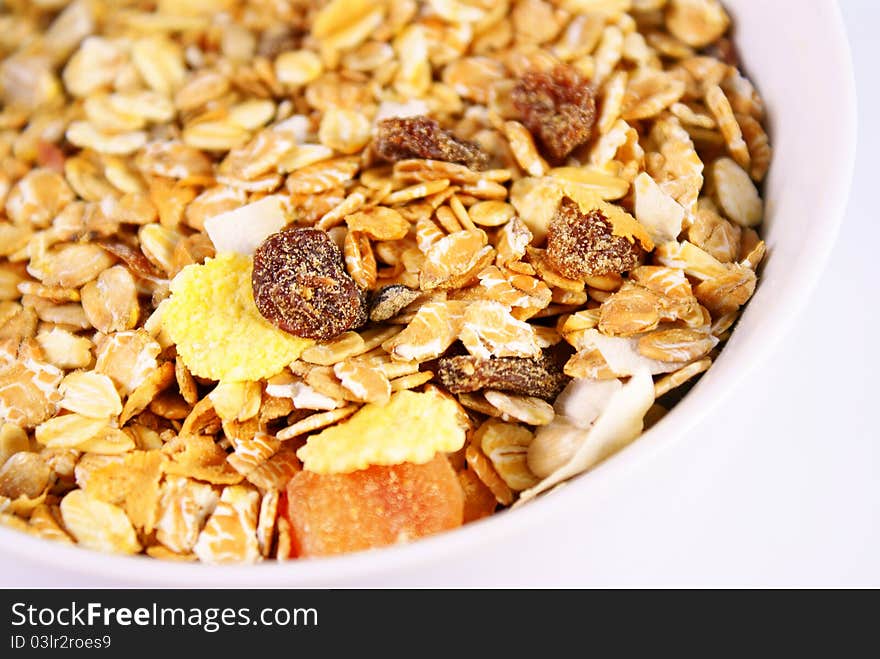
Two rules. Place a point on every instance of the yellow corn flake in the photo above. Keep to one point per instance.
(411, 427)
(219, 333)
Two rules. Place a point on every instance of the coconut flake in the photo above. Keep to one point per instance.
(618, 425)
(243, 230)
(658, 212)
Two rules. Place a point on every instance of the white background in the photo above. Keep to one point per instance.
(781, 486)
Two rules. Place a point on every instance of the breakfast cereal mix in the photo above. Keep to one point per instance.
(304, 277)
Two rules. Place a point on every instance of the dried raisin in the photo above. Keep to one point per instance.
(300, 285)
(540, 377)
(558, 107)
(581, 245)
(422, 137)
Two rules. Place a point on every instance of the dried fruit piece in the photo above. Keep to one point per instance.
(581, 245)
(300, 285)
(402, 138)
(558, 107)
(411, 427)
(540, 377)
(219, 333)
(390, 301)
(374, 507)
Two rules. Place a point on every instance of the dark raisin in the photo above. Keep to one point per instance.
(581, 245)
(541, 377)
(422, 137)
(300, 285)
(558, 107)
(390, 301)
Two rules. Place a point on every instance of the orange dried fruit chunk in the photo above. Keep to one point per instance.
(374, 507)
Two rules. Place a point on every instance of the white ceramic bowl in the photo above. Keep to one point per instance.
(797, 54)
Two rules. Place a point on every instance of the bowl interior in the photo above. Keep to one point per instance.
(797, 55)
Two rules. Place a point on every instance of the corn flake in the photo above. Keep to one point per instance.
(219, 333)
(411, 427)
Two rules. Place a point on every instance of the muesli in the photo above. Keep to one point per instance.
(292, 278)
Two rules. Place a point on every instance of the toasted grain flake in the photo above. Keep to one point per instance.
(146, 392)
(197, 456)
(230, 533)
(44, 524)
(365, 383)
(276, 472)
(250, 453)
(721, 110)
(24, 475)
(184, 506)
(28, 387)
(530, 410)
(316, 422)
(669, 382)
(736, 193)
(433, 329)
(451, 257)
(506, 445)
(110, 302)
(132, 484)
(411, 381)
(98, 525)
(127, 358)
(379, 223)
(675, 345)
(237, 401)
(90, 394)
(347, 344)
(266, 521)
(484, 470)
(697, 22)
(322, 176)
(489, 330)
(69, 431)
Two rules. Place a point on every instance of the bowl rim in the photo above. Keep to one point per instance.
(318, 572)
